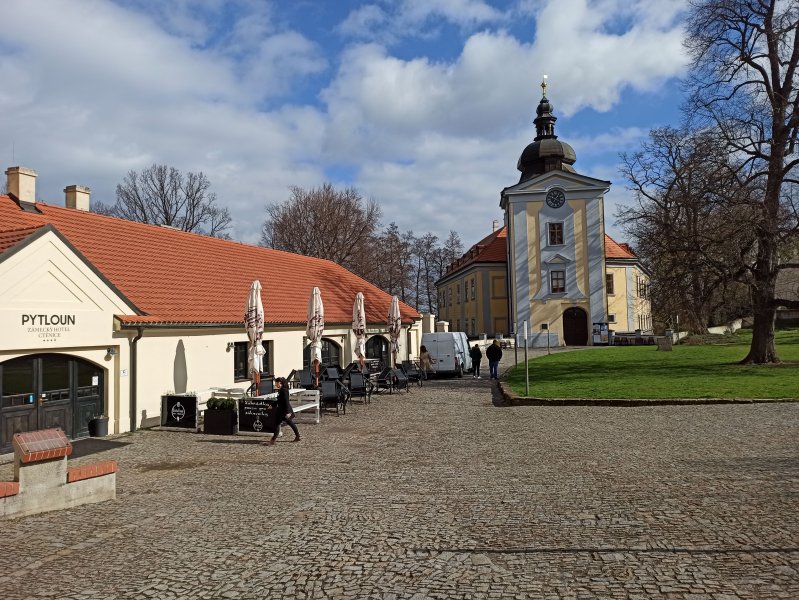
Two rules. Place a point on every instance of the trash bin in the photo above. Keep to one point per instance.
(98, 427)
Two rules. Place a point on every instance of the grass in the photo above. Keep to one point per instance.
(689, 371)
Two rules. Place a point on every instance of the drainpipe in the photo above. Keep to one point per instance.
(133, 370)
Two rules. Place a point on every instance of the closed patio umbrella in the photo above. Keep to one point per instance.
(394, 327)
(315, 328)
(254, 324)
(359, 328)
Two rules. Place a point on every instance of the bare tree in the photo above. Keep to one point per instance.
(326, 223)
(690, 225)
(743, 83)
(162, 195)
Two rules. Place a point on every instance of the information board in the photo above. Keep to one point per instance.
(179, 410)
(256, 414)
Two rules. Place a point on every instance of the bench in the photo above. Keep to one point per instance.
(42, 481)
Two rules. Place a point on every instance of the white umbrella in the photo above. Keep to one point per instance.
(254, 324)
(394, 327)
(359, 327)
(316, 325)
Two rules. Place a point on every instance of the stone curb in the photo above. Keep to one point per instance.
(510, 398)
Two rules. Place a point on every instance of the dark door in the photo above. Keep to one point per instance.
(575, 327)
(18, 399)
(48, 390)
(377, 347)
(55, 397)
(331, 354)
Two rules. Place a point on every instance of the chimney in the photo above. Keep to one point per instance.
(22, 184)
(77, 197)
(494, 225)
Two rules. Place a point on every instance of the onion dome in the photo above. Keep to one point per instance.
(546, 153)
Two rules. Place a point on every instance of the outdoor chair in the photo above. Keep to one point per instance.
(306, 379)
(266, 386)
(412, 372)
(331, 395)
(360, 387)
(385, 380)
(401, 380)
(333, 373)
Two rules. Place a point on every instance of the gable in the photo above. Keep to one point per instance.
(557, 178)
(48, 289)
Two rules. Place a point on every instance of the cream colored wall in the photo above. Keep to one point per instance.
(617, 302)
(46, 278)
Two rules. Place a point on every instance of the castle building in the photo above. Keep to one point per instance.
(563, 273)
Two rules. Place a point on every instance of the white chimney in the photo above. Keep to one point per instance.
(22, 183)
(77, 197)
(494, 225)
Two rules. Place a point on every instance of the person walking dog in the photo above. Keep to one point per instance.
(493, 354)
(477, 357)
(283, 412)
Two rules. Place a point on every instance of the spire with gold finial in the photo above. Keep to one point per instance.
(544, 86)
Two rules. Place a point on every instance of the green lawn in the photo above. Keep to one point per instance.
(689, 371)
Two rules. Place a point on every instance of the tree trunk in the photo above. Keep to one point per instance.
(762, 350)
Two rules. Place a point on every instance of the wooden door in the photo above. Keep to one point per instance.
(575, 327)
(18, 399)
(55, 395)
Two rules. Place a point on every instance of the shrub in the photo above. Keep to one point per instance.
(221, 404)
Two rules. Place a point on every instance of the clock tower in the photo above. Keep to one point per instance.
(555, 226)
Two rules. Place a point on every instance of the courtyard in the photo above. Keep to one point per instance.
(437, 493)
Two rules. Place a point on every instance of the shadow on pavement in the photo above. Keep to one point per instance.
(89, 446)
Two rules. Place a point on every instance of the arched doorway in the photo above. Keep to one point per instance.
(49, 390)
(331, 354)
(575, 327)
(377, 348)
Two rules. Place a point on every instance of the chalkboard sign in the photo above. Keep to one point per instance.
(179, 411)
(256, 414)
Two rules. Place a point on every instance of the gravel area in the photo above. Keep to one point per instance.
(437, 493)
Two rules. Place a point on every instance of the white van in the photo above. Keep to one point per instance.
(449, 350)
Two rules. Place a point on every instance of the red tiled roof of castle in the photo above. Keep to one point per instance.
(492, 248)
(175, 277)
(614, 249)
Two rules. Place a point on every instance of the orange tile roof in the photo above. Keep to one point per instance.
(613, 249)
(175, 277)
(492, 248)
(12, 237)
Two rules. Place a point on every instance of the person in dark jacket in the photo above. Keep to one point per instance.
(493, 354)
(283, 412)
(477, 357)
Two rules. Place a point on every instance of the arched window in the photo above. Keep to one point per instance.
(331, 354)
(377, 347)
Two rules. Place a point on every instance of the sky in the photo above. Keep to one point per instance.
(422, 105)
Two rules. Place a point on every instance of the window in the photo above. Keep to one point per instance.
(331, 354)
(241, 359)
(642, 287)
(555, 234)
(611, 318)
(557, 282)
(498, 287)
(458, 293)
(609, 283)
(473, 286)
(449, 299)
(474, 328)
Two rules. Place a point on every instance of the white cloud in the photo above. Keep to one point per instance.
(433, 141)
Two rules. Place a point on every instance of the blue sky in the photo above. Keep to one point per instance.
(423, 105)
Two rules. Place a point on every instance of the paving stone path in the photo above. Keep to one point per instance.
(437, 494)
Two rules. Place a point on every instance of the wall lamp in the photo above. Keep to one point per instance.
(230, 346)
(110, 352)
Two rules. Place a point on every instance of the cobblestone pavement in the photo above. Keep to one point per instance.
(437, 494)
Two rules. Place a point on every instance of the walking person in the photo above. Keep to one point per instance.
(283, 412)
(477, 357)
(425, 362)
(493, 354)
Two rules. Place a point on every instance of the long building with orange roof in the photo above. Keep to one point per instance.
(100, 315)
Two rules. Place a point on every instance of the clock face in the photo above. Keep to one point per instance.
(556, 198)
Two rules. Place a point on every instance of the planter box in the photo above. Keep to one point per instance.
(220, 422)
